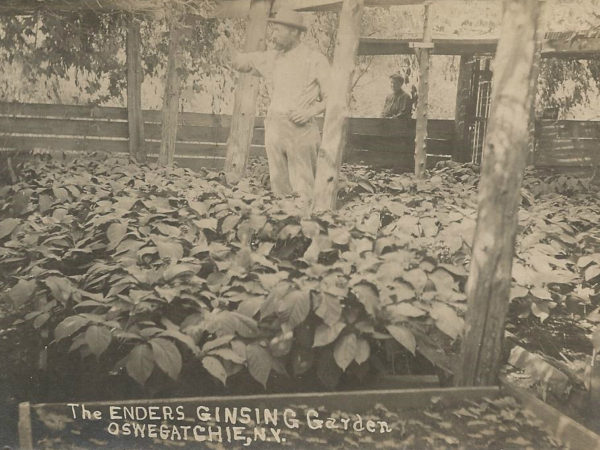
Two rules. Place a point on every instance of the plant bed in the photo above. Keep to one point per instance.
(421, 418)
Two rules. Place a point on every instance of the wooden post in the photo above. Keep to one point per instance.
(246, 92)
(422, 103)
(171, 97)
(25, 435)
(534, 82)
(503, 165)
(137, 149)
(335, 126)
(462, 152)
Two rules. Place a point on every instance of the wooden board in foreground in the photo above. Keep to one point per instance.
(63, 426)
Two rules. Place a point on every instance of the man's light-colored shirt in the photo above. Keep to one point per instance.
(298, 78)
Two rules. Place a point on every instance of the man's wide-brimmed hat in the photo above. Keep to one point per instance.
(397, 75)
(290, 18)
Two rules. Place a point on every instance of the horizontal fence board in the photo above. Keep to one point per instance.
(438, 129)
(397, 144)
(112, 146)
(93, 112)
(95, 128)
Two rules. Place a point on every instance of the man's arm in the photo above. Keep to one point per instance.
(387, 107)
(322, 74)
(256, 62)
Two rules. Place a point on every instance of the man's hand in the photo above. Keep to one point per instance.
(301, 116)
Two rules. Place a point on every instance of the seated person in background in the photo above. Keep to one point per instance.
(398, 103)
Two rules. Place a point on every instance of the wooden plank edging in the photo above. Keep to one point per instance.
(563, 428)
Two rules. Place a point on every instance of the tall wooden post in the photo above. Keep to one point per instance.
(137, 149)
(534, 82)
(462, 152)
(246, 92)
(503, 165)
(335, 127)
(171, 96)
(423, 50)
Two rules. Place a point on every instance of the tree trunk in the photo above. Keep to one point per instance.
(423, 100)
(504, 158)
(335, 127)
(171, 98)
(137, 149)
(462, 152)
(246, 92)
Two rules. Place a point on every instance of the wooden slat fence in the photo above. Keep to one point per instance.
(567, 144)
(201, 138)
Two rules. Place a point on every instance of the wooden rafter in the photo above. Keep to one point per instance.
(579, 46)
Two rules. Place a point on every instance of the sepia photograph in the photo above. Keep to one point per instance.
(303, 224)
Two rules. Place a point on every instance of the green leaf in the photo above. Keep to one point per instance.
(7, 226)
(417, 278)
(367, 295)
(168, 249)
(363, 350)
(166, 357)
(442, 280)
(404, 337)
(259, 363)
(40, 320)
(98, 339)
(517, 291)
(339, 236)
(541, 293)
(218, 342)
(215, 368)
(115, 234)
(402, 310)
(229, 355)
(168, 230)
(22, 292)
(330, 309)
(540, 310)
(140, 363)
(447, 320)
(60, 288)
(325, 334)
(586, 260)
(295, 307)
(199, 208)
(592, 272)
(45, 202)
(176, 270)
(69, 326)
(345, 350)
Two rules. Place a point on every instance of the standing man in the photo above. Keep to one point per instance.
(398, 104)
(298, 77)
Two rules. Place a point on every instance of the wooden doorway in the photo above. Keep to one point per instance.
(481, 93)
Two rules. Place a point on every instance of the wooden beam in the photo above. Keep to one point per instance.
(581, 47)
(423, 99)
(70, 6)
(504, 159)
(134, 91)
(335, 127)
(246, 93)
(335, 5)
